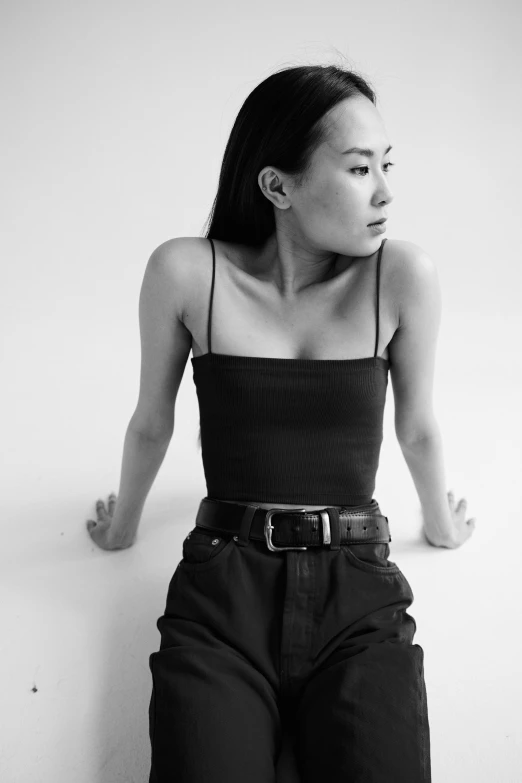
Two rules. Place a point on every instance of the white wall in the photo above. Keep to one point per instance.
(115, 118)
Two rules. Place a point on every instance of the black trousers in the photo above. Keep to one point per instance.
(318, 641)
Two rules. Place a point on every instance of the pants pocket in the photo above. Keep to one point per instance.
(202, 546)
(370, 557)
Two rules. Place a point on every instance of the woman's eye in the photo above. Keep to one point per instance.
(366, 168)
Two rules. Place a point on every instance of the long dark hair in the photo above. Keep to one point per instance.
(279, 124)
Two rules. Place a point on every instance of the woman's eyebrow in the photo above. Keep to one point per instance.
(363, 151)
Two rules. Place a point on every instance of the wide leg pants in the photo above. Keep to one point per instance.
(318, 640)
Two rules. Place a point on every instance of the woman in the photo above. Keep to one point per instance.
(285, 608)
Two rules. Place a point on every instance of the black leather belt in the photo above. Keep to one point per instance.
(284, 528)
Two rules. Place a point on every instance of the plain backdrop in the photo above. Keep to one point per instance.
(115, 116)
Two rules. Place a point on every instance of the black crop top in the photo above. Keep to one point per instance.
(290, 430)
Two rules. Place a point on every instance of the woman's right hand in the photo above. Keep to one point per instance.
(100, 529)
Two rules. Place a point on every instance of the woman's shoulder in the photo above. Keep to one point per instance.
(411, 277)
(405, 254)
(189, 259)
(182, 259)
(180, 252)
(187, 252)
(406, 264)
(183, 268)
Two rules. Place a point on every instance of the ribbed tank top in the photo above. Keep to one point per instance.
(290, 430)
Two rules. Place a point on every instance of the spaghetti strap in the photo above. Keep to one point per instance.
(211, 294)
(378, 281)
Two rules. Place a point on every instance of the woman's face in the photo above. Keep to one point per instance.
(344, 192)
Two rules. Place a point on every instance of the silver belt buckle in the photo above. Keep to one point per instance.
(269, 527)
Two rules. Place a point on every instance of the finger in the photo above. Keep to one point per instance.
(462, 505)
(471, 522)
(90, 524)
(100, 510)
(451, 498)
(112, 503)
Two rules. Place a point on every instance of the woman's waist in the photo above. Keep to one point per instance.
(366, 506)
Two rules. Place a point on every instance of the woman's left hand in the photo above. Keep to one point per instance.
(462, 528)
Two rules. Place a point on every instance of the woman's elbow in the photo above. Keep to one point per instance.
(417, 432)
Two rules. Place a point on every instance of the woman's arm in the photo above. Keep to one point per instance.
(165, 346)
(416, 289)
(142, 458)
(425, 461)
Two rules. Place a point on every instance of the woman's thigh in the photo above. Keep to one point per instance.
(364, 718)
(362, 712)
(213, 713)
(212, 718)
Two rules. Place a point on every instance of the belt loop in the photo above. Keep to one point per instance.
(246, 522)
(335, 530)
